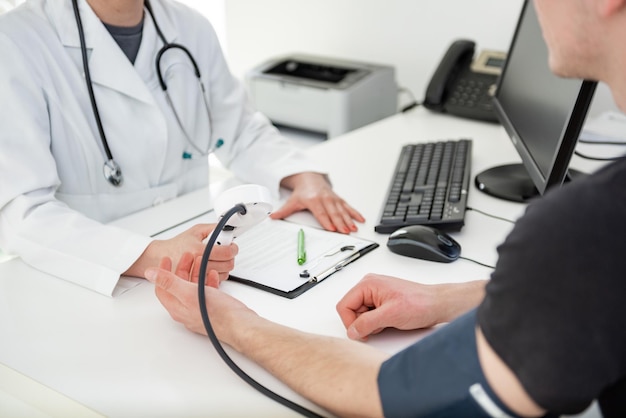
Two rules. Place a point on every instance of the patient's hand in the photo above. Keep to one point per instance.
(378, 302)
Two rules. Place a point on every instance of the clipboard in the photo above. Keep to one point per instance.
(268, 257)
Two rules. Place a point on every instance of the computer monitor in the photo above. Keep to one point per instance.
(542, 114)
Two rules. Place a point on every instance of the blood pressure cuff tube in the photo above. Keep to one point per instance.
(439, 376)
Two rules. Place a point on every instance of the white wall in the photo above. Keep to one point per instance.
(214, 10)
(411, 35)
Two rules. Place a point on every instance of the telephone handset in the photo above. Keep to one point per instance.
(463, 87)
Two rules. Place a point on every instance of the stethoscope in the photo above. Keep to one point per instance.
(112, 171)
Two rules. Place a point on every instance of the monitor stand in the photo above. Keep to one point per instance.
(511, 182)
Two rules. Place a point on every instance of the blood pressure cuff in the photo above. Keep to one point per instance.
(439, 376)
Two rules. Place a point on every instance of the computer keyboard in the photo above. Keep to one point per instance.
(429, 186)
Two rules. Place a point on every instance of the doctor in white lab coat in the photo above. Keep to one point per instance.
(54, 199)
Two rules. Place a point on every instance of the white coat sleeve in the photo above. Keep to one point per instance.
(45, 232)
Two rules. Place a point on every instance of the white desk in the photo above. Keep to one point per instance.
(125, 357)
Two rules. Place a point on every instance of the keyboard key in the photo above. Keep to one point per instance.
(429, 186)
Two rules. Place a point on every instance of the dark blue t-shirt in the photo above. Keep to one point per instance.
(128, 38)
(555, 307)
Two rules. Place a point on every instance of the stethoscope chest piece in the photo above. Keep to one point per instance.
(113, 173)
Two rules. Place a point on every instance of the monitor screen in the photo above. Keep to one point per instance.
(541, 112)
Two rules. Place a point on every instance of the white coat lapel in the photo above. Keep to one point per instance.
(108, 65)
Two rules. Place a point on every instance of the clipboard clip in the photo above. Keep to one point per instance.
(305, 274)
(333, 269)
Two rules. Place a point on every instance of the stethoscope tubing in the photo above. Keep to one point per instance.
(87, 74)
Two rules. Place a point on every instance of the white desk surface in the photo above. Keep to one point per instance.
(125, 356)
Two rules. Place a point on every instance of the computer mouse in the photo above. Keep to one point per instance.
(424, 242)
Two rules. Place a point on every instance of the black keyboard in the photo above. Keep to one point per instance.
(429, 186)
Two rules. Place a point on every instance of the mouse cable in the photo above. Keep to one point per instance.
(490, 215)
(593, 142)
(239, 208)
(477, 262)
(587, 157)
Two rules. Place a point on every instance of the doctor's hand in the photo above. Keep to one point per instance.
(313, 191)
(222, 258)
(180, 298)
(378, 302)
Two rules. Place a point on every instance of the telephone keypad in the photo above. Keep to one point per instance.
(472, 96)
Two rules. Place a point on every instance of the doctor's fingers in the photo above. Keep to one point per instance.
(221, 269)
(222, 258)
(201, 231)
(333, 214)
(224, 252)
(217, 271)
(347, 214)
(338, 211)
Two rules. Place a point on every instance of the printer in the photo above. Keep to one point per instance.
(320, 94)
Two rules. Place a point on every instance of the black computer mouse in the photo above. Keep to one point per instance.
(424, 242)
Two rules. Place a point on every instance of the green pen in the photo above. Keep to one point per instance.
(301, 250)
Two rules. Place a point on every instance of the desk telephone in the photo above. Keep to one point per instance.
(463, 87)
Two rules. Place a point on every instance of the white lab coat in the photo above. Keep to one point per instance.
(54, 199)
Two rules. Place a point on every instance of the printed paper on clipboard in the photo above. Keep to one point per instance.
(267, 256)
